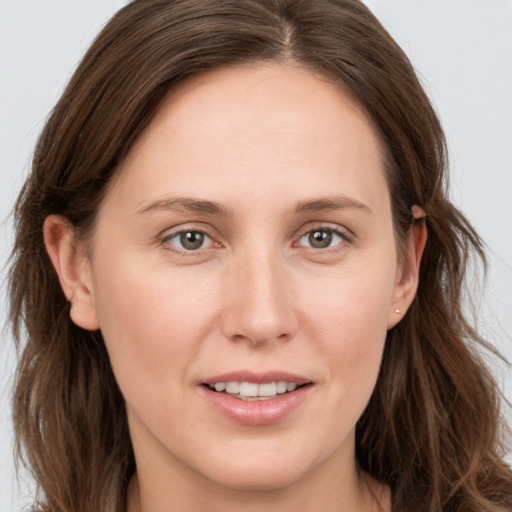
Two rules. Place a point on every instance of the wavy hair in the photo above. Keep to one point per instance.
(432, 429)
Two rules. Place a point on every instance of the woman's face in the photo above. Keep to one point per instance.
(247, 238)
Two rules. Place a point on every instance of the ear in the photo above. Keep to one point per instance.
(408, 270)
(73, 269)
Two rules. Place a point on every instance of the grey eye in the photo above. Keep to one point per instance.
(188, 240)
(191, 240)
(321, 238)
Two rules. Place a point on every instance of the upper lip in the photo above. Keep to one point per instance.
(257, 377)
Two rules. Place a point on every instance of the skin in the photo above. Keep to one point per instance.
(259, 141)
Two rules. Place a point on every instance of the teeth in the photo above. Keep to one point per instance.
(252, 389)
(281, 386)
(249, 389)
(269, 389)
(233, 387)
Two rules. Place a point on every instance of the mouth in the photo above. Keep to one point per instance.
(256, 399)
(255, 391)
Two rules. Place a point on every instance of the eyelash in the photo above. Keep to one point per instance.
(166, 241)
(343, 236)
(344, 239)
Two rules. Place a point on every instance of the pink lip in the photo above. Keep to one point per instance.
(259, 378)
(257, 412)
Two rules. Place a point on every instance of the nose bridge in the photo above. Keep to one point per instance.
(259, 303)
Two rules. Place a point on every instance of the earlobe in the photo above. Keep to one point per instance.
(409, 268)
(73, 269)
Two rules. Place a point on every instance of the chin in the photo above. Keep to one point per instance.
(261, 472)
(249, 480)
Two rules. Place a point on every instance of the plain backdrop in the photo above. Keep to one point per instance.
(462, 50)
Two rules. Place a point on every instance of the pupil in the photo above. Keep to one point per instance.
(192, 240)
(320, 239)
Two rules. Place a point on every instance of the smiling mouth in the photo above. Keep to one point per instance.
(252, 391)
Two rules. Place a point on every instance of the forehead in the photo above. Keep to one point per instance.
(239, 127)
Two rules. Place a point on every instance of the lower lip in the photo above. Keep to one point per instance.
(257, 412)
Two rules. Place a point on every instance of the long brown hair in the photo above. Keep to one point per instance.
(432, 430)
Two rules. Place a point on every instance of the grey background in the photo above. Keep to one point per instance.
(462, 50)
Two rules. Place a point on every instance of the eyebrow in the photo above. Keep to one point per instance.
(331, 203)
(189, 205)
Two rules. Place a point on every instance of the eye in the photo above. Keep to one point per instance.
(188, 240)
(321, 238)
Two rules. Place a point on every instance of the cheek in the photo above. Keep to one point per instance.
(348, 320)
(153, 324)
(352, 302)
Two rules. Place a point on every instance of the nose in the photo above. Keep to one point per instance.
(259, 301)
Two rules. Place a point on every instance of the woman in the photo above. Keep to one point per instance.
(240, 275)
